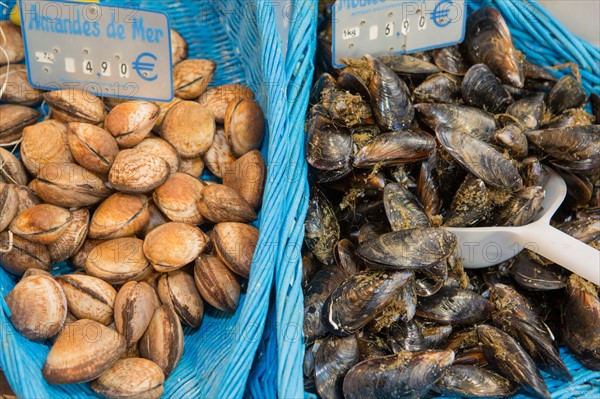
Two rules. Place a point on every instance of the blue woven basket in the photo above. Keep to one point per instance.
(545, 42)
(241, 37)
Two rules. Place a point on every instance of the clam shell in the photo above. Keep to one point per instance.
(71, 105)
(118, 261)
(216, 283)
(138, 172)
(27, 198)
(247, 176)
(45, 143)
(69, 185)
(192, 77)
(219, 155)
(178, 290)
(135, 304)
(82, 352)
(157, 218)
(78, 259)
(217, 98)
(41, 223)
(235, 244)
(12, 44)
(12, 170)
(69, 242)
(120, 215)
(18, 90)
(8, 205)
(36, 272)
(179, 47)
(161, 148)
(190, 128)
(244, 126)
(177, 198)
(219, 203)
(163, 340)
(14, 119)
(131, 121)
(131, 378)
(92, 147)
(38, 307)
(88, 297)
(173, 245)
(22, 254)
(192, 166)
(164, 108)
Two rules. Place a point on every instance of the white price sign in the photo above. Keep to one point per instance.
(394, 26)
(111, 51)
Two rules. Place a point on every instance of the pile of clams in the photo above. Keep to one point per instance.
(112, 187)
(401, 147)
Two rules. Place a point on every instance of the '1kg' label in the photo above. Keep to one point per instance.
(110, 51)
(394, 26)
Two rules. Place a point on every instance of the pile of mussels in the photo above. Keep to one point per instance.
(389, 309)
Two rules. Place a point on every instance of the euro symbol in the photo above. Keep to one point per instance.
(143, 67)
(440, 16)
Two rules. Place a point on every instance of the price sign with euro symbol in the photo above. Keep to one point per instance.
(394, 26)
(110, 51)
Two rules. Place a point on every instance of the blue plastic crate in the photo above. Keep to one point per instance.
(241, 36)
(545, 42)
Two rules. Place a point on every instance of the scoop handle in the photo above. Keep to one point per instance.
(564, 250)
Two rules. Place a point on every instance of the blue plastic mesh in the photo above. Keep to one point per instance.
(545, 42)
(241, 37)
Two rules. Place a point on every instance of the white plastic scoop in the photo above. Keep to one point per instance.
(488, 246)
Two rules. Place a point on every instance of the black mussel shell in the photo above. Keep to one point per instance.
(595, 100)
(408, 65)
(370, 231)
(351, 81)
(529, 111)
(470, 205)
(521, 209)
(321, 228)
(471, 120)
(570, 117)
(409, 249)
(324, 81)
(439, 88)
(515, 317)
(319, 288)
(513, 139)
(360, 298)
(488, 41)
(505, 354)
(428, 187)
(346, 256)
(328, 176)
(481, 89)
(345, 109)
(566, 93)
(536, 72)
(335, 357)
(395, 148)
(536, 277)
(580, 325)
(435, 336)
(310, 267)
(431, 279)
(401, 309)
(454, 306)
(533, 172)
(450, 59)
(466, 381)
(327, 146)
(403, 375)
(586, 230)
(579, 189)
(406, 337)
(371, 344)
(390, 98)
(479, 158)
(403, 209)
